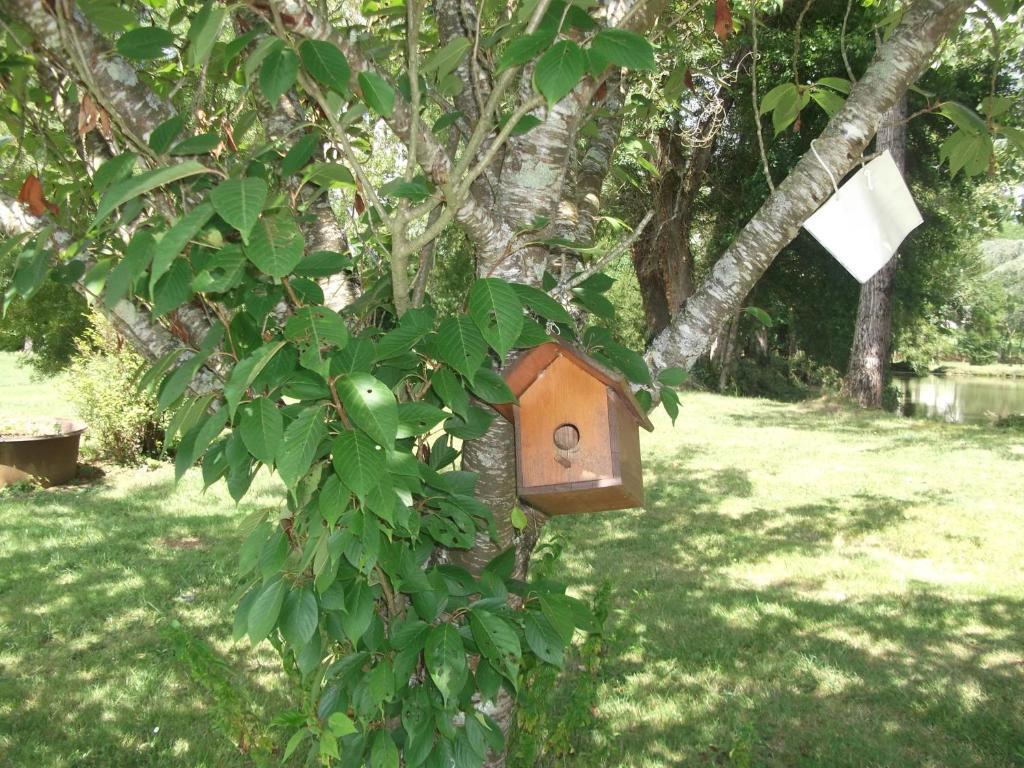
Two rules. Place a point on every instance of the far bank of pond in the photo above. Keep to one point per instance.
(961, 397)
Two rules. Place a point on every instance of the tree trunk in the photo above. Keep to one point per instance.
(898, 63)
(661, 255)
(872, 337)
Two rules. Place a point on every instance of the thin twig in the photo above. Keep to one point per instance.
(842, 42)
(753, 95)
(796, 41)
(620, 248)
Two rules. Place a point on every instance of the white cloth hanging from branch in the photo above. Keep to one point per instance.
(867, 218)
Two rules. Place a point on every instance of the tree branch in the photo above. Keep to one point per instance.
(899, 62)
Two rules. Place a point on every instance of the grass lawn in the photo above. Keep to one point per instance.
(807, 587)
(811, 588)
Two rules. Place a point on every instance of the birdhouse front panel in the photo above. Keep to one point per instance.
(564, 428)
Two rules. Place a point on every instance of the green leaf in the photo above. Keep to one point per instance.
(963, 117)
(299, 617)
(132, 187)
(828, 101)
(442, 61)
(301, 443)
(173, 289)
(670, 401)
(460, 344)
(760, 315)
(673, 377)
(542, 303)
(115, 169)
(176, 384)
(197, 145)
(476, 422)
(239, 202)
(316, 330)
(145, 43)
(175, 239)
(445, 659)
(559, 70)
(772, 99)
(840, 84)
(278, 73)
(276, 245)
(107, 16)
(414, 325)
(542, 639)
(340, 724)
(203, 33)
(497, 641)
(558, 612)
(300, 153)
(518, 518)
(490, 387)
(1014, 136)
(265, 610)
(497, 312)
(448, 387)
(197, 440)
(383, 753)
(326, 64)
(787, 110)
(130, 268)
(222, 272)
(260, 426)
(330, 175)
(358, 462)
(523, 49)
(418, 418)
(624, 49)
(293, 743)
(245, 371)
(163, 135)
(377, 93)
(322, 264)
(371, 406)
(968, 151)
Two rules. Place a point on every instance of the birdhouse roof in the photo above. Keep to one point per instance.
(521, 375)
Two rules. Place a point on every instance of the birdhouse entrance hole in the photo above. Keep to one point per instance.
(567, 437)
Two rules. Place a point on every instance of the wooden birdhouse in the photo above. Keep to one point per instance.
(577, 432)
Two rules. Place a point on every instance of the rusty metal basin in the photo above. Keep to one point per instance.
(50, 458)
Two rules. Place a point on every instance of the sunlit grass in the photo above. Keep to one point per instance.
(811, 586)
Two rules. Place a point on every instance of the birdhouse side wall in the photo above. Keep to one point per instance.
(627, 437)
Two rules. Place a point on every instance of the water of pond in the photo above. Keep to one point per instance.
(961, 399)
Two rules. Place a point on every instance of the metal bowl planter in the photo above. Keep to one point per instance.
(50, 458)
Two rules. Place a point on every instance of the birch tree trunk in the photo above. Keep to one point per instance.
(898, 63)
(872, 338)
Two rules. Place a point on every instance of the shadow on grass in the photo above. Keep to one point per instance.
(89, 578)
(704, 669)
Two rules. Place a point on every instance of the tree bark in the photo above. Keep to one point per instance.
(662, 258)
(872, 337)
(898, 63)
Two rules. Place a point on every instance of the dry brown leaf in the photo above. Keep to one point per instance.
(31, 193)
(723, 19)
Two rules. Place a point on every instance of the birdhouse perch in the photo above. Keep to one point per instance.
(577, 432)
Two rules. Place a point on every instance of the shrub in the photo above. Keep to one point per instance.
(1014, 421)
(122, 423)
(51, 320)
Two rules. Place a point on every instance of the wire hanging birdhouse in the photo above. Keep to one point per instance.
(577, 433)
(867, 218)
